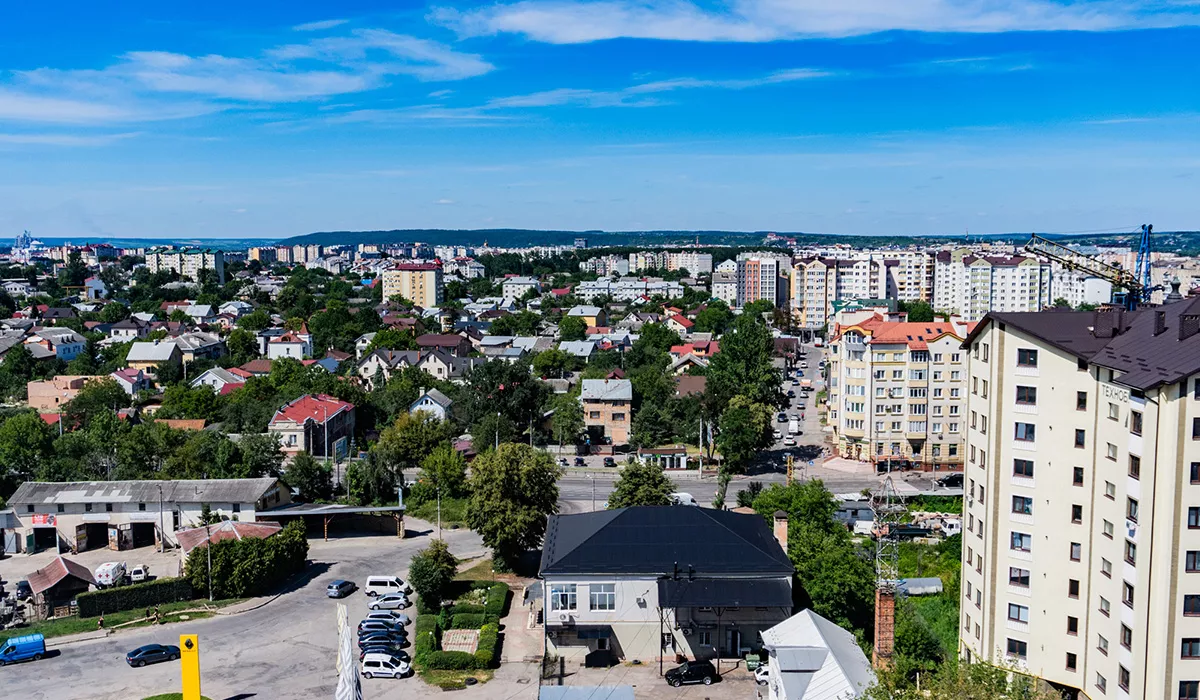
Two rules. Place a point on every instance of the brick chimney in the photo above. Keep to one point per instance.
(781, 529)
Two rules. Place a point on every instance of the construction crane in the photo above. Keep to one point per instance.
(888, 508)
(1136, 285)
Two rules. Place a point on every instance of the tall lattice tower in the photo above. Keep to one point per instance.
(888, 507)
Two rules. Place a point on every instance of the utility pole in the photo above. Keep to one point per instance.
(593, 478)
(439, 494)
(497, 430)
(208, 552)
(162, 529)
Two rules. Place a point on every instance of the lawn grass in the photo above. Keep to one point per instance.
(480, 571)
(75, 625)
(453, 680)
(454, 512)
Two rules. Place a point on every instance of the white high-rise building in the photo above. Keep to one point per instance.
(973, 285)
(188, 263)
(1081, 547)
(818, 282)
(762, 276)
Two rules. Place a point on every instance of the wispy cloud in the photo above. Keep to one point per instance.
(65, 140)
(579, 21)
(320, 25)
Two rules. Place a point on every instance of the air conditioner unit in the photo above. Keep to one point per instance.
(687, 631)
(563, 617)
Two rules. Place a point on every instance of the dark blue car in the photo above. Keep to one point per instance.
(152, 654)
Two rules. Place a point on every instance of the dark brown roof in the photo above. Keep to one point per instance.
(225, 530)
(46, 577)
(688, 385)
(446, 340)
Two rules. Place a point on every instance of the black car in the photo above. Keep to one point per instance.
(579, 462)
(382, 638)
(152, 654)
(791, 394)
(951, 481)
(610, 462)
(389, 649)
(377, 625)
(23, 590)
(692, 672)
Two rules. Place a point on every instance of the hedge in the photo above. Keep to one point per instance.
(497, 599)
(424, 637)
(467, 608)
(249, 567)
(489, 637)
(451, 661)
(138, 595)
(468, 621)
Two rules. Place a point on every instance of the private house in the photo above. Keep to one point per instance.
(237, 309)
(50, 395)
(386, 361)
(290, 344)
(442, 365)
(582, 349)
(517, 287)
(315, 423)
(254, 368)
(680, 324)
(94, 288)
(434, 403)
(53, 315)
(147, 355)
(452, 343)
(132, 328)
(811, 658)
(651, 582)
(593, 316)
(362, 343)
(63, 343)
(197, 344)
(607, 404)
(219, 378)
(131, 380)
(125, 514)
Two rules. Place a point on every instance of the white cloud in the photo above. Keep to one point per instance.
(65, 140)
(320, 25)
(444, 201)
(579, 21)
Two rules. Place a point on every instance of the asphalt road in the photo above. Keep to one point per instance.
(283, 650)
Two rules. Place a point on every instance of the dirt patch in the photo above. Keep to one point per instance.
(460, 640)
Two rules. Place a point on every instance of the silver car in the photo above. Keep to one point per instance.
(390, 601)
(388, 616)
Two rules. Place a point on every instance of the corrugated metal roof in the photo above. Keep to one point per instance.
(143, 491)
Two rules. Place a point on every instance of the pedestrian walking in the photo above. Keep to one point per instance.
(100, 623)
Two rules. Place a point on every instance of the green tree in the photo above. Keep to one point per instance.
(653, 347)
(567, 422)
(260, 455)
(641, 484)
(445, 471)
(393, 339)
(312, 478)
(653, 425)
(256, 320)
(552, 363)
(97, 396)
(242, 346)
(26, 444)
(75, 271)
(513, 490)
(714, 318)
(182, 401)
(405, 444)
(743, 366)
(572, 328)
(369, 481)
(745, 427)
(918, 311)
(521, 323)
(113, 312)
(432, 572)
(758, 307)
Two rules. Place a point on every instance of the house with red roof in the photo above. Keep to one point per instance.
(680, 324)
(290, 344)
(315, 423)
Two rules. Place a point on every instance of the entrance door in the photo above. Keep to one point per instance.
(733, 644)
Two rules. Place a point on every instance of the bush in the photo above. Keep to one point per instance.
(468, 621)
(425, 607)
(424, 637)
(451, 661)
(467, 608)
(489, 637)
(249, 567)
(138, 595)
(497, 599)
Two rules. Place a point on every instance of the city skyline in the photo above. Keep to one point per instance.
(268, 122)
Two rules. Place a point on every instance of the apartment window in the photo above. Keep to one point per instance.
(1195, 473)
(603, 596)
(1196, 428)
(954, 375)
(1021, 541)
(1018, 613)
(593, 414)
(1076, 513)
(1127, 595)
(1131, 509)
(1071, 661)
(1076, 551)
(1027, 358)
(1110, 490)
(1102, 644)
(1193, 518)
(1191, 605)
(1135, 466)
(563, 596)
(1081, 364)
(1081, 401)
(1072, 588)
(1191, 562)
(1108, 529)
(1189, 690)
(141, 506)
(1080, 437)
(618, 417)
(1017, 648)
(1130, 552)
(1123, 678)
(1025, 432)
(1126, 637)
(1190, 648)
(1135, 422)
(955, 357)
(1077, 476)
(1104, 606)
(705, 639)
(1106, 567)
(1072, 625)
(1022, 505)
(1018, 577)
(87, 507)
(1114, 411)
(1027, 395)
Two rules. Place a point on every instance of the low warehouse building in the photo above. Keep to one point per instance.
(127, 514)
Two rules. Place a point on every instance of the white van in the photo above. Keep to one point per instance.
(110, 573)
(382, 585)
(384, 666)
(683, 499)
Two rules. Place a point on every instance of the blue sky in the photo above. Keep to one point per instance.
(261, 119)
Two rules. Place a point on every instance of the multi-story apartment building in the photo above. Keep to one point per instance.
(1081, 551)
(420, 283)
(188, 263)
(695, 263)
(628, 289)
(264, 255)
(724, 287)
(897, 391)
(1078, 288)
(605, 265)
(817, 282)
(762, 276)
(283, 254)
(973, 285)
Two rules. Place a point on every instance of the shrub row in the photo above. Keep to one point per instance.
(425, 637)
(451, 661)
(138, 595)
(470, 621)
(467, 608)
(489, 637)
(497, 600)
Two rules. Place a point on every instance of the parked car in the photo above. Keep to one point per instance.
(388, 615)
(610, 462)
(384, 666)
(803, 365)
(580, 462)
(692, 672)
(781, 418)
(30, 646)
(789, 441)
(762, 674)
(390, 639)
(152, 654)
(384, 649)
(683, 499)
(139, 574)
(368, 626)
(382, 585)
(340, 588)
(23, 590)
(389, 601)
(776, 434)
(110, 573)
(951, 481)
(562, 461)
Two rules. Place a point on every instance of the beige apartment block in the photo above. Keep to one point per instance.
(420, 283)
(1081, 546)
(897, 391)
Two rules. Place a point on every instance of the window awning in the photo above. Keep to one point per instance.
(725, 593)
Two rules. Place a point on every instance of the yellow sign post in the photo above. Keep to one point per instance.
(189, 661)
(791, 463)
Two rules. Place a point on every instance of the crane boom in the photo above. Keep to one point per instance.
(1074, 260)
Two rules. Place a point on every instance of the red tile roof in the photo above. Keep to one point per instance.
(915, 335)
(224, 530)
(681, 320)
(46, 577)
(315, 407)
